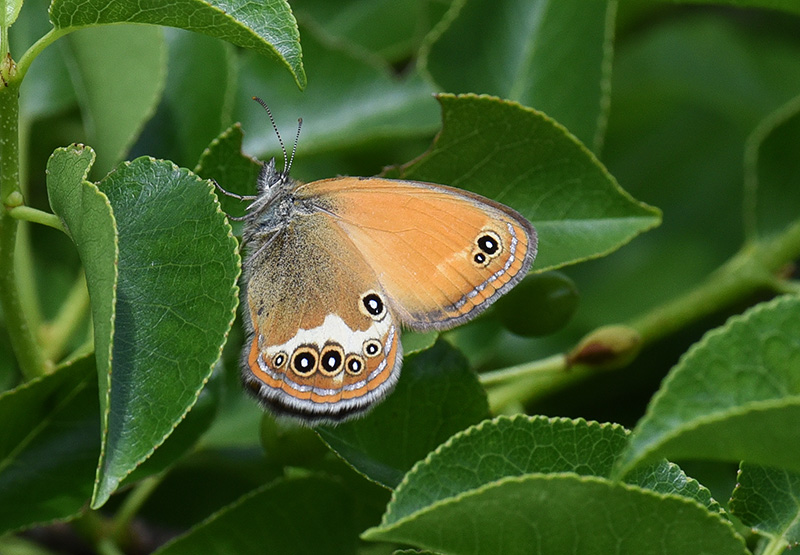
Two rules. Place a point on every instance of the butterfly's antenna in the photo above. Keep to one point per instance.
(294, 148)
(280, 140)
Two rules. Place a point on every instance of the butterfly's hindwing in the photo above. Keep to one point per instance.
(324, 344)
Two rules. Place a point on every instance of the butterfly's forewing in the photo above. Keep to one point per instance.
(441, 254)
(324, 343)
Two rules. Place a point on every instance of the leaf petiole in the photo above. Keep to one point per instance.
(36, 216)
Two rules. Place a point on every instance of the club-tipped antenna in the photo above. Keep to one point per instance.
(287, 162)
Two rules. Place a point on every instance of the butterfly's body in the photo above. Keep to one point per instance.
(334, 267)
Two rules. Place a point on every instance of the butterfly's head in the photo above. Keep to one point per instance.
(270, 179)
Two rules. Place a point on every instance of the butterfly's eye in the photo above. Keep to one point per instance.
(487, 246)
(372, 305)
(331, 359)
(372, 347)
(354, 365)
(304, 361)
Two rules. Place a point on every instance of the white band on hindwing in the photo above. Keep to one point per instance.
(334, 329)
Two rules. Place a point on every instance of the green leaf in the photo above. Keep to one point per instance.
(564, 513)
(545, 481)
(772, 201)
(522, 158)
(734, 396)
(224, 162)
(554, 56)
(49, 444)
(193, 113)
(183, 439)
(348, 103)
(297, 516)
(687, 91)
(415, 341)
(268, 27)
(176, 300)
(10, 13)
(436, 396)
(89, 220)
(391, 29)
(106, 64)
(785, 5)
(768, 501)
(521, 445)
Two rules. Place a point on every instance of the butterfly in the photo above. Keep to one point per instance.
(335, 267)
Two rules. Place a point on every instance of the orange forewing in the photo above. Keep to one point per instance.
(422, 240)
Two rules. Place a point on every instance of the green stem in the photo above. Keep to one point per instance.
(549, 365)
(776, 546)
(753, 269)
(36, 48)
(131, 506)
(507, 387)
(36, 216)
(23, 339)
(749, 271)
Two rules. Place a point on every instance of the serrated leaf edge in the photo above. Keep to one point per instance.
(235, 287)
(626, 461)
(374, 533)
(478, 428)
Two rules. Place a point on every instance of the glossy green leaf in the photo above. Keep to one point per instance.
(49, 444)
(89, 220)
(436, 396)
(785, 5)
(768, 501)
(551, 55)
(415, 341)
(10, 12)
(546, 481)
(391, 29)
(293, 517)
(224, 162)
(176, 299)
(564, 513)
(734, 396)
(185, 437)
(349, 102)
(522, 158)
(106, 64)
(522, 445)
(198, 97)
(772, 171)
(687, 90)
(267, 27)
